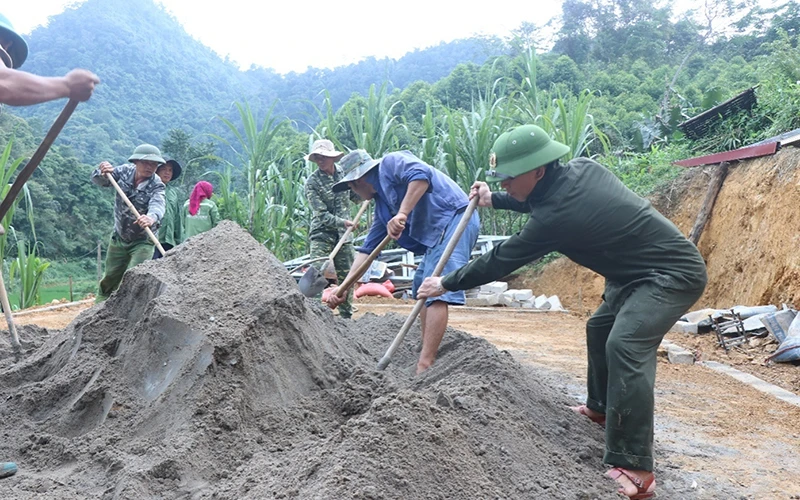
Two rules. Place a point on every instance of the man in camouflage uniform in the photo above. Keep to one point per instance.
(330, 214)
(129, 243)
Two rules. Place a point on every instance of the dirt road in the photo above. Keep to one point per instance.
(721, 434)
(715, 437)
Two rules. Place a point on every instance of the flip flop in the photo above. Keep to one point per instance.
(583, 410)
(646, 489)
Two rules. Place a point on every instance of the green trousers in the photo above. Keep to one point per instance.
(622, 345)
(343, 262)
(120, 257)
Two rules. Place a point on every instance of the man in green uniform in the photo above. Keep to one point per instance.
(653, 276)
(330, 214)
(170, 232)
(129, 244)
(20, 88)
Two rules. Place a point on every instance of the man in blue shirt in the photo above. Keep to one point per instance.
(419, 207)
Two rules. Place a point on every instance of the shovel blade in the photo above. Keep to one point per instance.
(328, 270)
(312, 283)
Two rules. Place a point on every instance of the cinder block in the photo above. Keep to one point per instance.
(684, 327)
(540, 302)
(504, 301)
(526, 304)
(516, 303)
(494, 287)
(524, 294)
(555, 303)
(679, 356)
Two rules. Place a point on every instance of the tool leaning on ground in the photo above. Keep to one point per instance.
(147, 230)
(314, 280)
(451, 245)
(14, 191)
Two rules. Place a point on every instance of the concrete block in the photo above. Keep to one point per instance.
(494, 287)
(555, 303)
(493, 298)
(516, 303)
(679, 356)
(503, 300)
(524, 294)
(479, 301)
(526, 304)
(684, 327)
(540, 302)
(510, 294)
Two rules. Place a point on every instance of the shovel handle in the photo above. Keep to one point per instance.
(12, 329)
(352, 278)
(147, 230)
(349, 230)
(451, 245)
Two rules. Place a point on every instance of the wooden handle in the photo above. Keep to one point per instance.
(339, 245)
(448, 250)
(37, 157)
(12, 329)
(352, 278)
(136, 213)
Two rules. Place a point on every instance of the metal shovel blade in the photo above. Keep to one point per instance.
(328, 270)
(312, 283)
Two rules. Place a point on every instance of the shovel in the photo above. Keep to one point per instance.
(147, 230)
(314, 281)
(387, 358)
(19, 182)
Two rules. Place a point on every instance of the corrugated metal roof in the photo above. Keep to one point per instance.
(696, 127)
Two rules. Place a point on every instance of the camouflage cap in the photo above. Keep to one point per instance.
(355, 165)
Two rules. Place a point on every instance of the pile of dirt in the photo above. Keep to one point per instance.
(749, 244)
(209, 375)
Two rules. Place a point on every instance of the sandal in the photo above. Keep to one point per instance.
(646, 489)
(583, 410)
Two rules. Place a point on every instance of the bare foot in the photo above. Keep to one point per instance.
(638, 484)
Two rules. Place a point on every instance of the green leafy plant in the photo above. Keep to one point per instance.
(29, 268)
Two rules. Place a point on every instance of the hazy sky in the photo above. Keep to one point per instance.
(293, 35)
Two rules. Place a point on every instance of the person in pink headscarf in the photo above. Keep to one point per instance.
(200, 213)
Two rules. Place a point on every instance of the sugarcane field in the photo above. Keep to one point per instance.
(299, 252)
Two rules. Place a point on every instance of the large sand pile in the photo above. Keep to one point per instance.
(208, 375)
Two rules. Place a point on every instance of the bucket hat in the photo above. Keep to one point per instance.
(354, 165)
(147, 152)
(176, 168)
(324, 147)
(521, 150)
(19, 48)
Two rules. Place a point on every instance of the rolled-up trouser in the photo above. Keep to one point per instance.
(120, 257)
(622, 347)
(343, 261)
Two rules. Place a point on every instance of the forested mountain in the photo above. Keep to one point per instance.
(619, 79)
(156, 77)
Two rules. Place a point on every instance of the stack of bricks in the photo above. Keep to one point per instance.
(497, 293)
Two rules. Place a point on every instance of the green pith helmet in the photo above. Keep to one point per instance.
(19, 48)
(521, 150)
(147, 152)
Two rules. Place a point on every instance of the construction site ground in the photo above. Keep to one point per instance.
(721, 434)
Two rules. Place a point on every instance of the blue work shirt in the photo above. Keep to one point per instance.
(428, 220)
